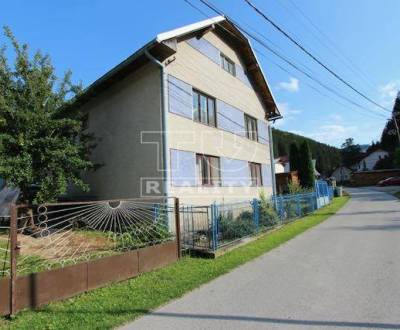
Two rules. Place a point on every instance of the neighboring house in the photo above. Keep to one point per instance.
(282, 165)
(8, 196)
(368, 162)
(341, 174)
(186, 116)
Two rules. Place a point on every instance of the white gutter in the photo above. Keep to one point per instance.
(164, 103)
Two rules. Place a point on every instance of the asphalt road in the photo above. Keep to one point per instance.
(342, 274)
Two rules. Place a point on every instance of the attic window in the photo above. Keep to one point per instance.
(228, 65)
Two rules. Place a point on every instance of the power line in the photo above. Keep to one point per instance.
(372, 114)
(314, 58)
(328, 42)
(283, 58)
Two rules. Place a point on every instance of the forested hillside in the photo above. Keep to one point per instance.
(328, 157)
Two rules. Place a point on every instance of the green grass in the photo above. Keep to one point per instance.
(122, 302)
(397, 194)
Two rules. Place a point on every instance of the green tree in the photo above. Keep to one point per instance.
(389, 139)
(41, 139)
(294, 157)
(396, 160)
(282, 150)
(385, 163)
(328, 157)
(306, 168)
(350, 152)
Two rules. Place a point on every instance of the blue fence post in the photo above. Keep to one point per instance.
(281, 208)
(311, 201)
(214, 224)
(256, 213)
(298, 205)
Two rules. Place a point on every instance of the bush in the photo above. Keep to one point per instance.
(141, 235)
(232, 228)
(268, 215)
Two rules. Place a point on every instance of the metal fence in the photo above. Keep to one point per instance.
(48, 237)
(295, 206)
(210, 227)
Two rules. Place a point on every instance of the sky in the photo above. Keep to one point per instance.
(358, 39)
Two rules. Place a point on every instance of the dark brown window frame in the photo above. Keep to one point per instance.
(251, 134)
(205, 177)
(256, 180)
(209, 100)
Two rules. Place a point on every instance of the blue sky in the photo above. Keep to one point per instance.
(91, 37)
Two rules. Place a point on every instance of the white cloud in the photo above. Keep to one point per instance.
(336, 117)
(287, 113)
(390, 89)
(291, 86)
(333, 134)
(388, 92)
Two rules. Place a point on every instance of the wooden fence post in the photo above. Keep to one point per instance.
(177, 226)
(13, 257)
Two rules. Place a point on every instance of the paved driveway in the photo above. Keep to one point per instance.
(342, 274)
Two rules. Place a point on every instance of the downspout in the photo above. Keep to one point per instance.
(164, 102)
(271, 155)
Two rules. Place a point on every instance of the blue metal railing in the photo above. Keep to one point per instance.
(214, 226)
(295, 206)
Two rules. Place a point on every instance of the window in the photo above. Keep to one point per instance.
(208, 170)
(251, 127)
(228, 65)
(255, 174)
(204, 109)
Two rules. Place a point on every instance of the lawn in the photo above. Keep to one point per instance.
(119, 303)
(397, 194)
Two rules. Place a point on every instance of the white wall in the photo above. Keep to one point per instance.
(371, 160)
(341, 174)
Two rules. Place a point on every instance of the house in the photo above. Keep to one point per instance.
(341, 174)
(282, 165)
(369, 160)
(187, 115)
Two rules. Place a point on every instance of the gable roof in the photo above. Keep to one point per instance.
(164, 46)
(363, 156)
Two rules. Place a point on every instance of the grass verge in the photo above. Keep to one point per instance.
(119, 303)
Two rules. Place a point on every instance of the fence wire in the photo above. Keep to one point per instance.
(56, 235)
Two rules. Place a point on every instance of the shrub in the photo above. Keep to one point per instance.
(141, 235)
(232, 228)
(268, 215)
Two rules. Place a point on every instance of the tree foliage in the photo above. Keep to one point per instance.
(282, 148)
(351, 152)
(42, 142)
(327, 157)
(294, 157)
(396, 158)
(384, 163)
(389, 138)
(306, 168)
